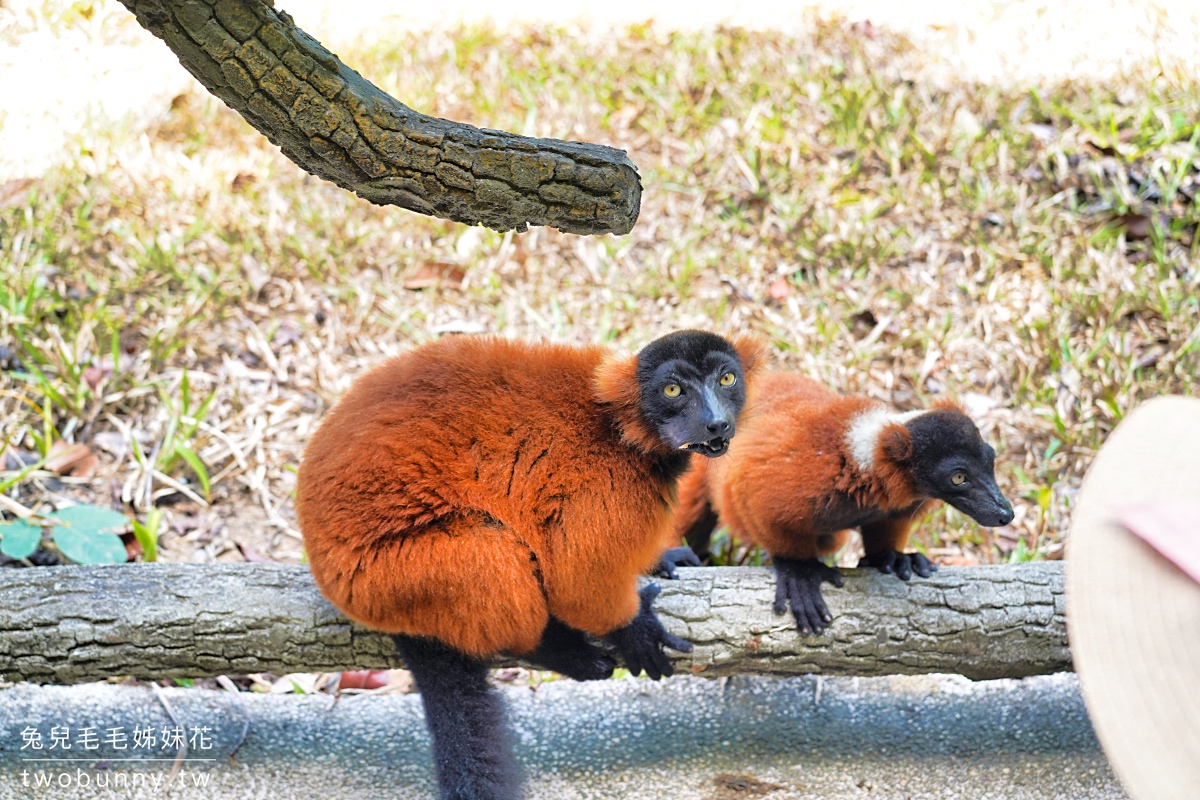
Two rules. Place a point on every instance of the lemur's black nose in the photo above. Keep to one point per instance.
(720, 427)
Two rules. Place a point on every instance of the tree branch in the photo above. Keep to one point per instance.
(333, 123)
(73, 624)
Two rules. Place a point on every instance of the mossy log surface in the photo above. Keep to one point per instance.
(73, 624)
(335, 124)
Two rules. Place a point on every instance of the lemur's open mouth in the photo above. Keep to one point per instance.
(712, 448)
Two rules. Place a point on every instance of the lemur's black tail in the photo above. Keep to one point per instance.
(471, 745)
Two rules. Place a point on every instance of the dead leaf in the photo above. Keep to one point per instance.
(242, 181)
(364, 679)
(133, 548)
(95, 374)
(252, 555)
(432, 273)
(779, 290)
(74, 460)
(1137, 226)
(14, 192)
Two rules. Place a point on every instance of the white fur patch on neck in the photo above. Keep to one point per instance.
(862, 435)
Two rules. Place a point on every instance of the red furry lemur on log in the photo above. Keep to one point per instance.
(479, 496)
(809, 463)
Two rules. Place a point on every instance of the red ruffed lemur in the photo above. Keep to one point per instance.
(809, 463)
(480, 496)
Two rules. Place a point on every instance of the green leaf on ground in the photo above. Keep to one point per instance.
(18, 539)
(85, 546)
(85, 515)
(84, 538)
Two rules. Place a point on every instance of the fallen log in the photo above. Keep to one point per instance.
(74, 624)
(334, 123)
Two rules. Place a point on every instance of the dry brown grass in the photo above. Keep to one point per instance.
(889, 236)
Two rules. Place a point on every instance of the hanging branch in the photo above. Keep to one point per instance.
(333, 123)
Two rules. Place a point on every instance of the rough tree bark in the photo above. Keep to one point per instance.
(72, 624)
(333, 123)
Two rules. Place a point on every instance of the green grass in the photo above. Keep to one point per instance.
(196, 294)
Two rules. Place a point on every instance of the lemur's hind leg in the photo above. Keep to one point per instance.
(468, 581)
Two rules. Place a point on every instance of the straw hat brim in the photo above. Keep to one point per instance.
(1133, 617)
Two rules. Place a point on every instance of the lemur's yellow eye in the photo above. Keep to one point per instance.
(958, 478)
(728, 379)
(672, 390)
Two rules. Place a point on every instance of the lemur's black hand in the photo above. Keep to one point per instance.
(568, 652)
(798, 584)
(641, 643)
(676, 557)
(902, 564)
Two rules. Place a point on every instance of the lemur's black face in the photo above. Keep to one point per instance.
(952, 463)
(693, 389)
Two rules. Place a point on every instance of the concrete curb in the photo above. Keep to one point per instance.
(685, 739)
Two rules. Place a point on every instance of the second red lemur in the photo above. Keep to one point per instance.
(480, 496)
(809, 463)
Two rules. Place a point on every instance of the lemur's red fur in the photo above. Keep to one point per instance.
(789, 470)
(469, 488)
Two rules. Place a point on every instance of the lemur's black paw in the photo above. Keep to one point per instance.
(641, 643)
(592, 665)
(676, 557)
(569, 652)
(597, 668)
(902, 564)
(798, 584)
